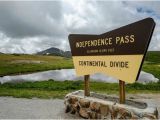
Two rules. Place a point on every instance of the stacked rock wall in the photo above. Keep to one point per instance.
(95, 108)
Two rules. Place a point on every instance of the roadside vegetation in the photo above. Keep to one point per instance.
(20, 64)
(58, 89)
(152, 63)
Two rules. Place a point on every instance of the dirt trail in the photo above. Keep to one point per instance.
(21, 108)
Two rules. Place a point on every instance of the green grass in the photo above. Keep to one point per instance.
(153, 56)
(14, 64)
(152, 63)
(58, 89)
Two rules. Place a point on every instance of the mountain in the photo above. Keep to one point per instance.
(67, 54)
(55, 51)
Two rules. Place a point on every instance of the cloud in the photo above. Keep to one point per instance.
(28, 27)
(26, 19)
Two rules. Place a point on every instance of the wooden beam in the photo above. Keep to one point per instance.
(86, 85)
(121, 92)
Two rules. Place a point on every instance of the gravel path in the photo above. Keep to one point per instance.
(21, 108)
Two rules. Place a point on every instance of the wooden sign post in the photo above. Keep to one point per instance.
(86, 85)
(119, 53)
(121, 92)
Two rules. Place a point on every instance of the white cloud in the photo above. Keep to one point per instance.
(28, 27)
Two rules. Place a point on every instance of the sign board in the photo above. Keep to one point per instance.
(119, 53)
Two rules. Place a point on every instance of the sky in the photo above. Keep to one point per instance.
(29, 27)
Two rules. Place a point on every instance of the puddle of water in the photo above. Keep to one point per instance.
(69, 74)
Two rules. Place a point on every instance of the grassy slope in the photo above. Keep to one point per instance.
(152, 64)
(9, 65)
(58, 89)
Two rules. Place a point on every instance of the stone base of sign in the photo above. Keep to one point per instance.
(99, 106)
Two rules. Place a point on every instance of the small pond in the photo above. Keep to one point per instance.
(69, 74)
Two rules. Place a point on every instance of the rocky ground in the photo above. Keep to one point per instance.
(20, 108)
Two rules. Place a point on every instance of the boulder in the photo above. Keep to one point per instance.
(124, 114)
(94, 106)
(73, 100)
(67, 108)
(104, 110)
(84, 103)
(83, 112)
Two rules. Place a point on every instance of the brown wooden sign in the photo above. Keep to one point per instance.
(118, 53)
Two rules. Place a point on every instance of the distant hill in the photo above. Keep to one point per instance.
(1, 53)
(55, 51)
(67, 53)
